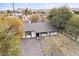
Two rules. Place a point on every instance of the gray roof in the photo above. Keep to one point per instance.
(38, 27)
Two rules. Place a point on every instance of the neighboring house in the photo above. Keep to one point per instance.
(17, 14)
(26, 19)
(38, 30)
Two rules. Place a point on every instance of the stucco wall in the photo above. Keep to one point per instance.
(33, 34)
(53, 33)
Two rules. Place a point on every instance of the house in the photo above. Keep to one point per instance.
(26, 18)
(17, 14)
(38, 29)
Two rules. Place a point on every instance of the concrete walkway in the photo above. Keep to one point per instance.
(31, 47)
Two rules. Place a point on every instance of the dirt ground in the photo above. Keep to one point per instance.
(60, 45)
(31, 47)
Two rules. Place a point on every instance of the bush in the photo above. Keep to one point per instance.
(10, 35)
(58, 17)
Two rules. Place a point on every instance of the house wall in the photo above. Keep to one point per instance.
(43, 34)
(53, 33)
(33, 34)
(28, 36)
(48, 33)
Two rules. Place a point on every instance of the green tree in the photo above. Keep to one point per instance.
(8, 11)
(27, 11)
(58, 17)
(10, 35)
(72, 26)
(34, 17)
(76, 12)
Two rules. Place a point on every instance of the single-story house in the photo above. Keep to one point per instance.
(26, 18)
(17, 14)
(38, 29)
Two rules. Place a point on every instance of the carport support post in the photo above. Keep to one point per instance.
(48, 33)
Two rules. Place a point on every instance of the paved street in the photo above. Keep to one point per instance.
(31, 47)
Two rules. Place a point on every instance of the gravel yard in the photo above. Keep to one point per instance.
(58, 45)
(31, 47)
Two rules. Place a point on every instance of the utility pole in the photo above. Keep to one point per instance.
(13, 8)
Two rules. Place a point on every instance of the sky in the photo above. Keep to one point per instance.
(5, 6)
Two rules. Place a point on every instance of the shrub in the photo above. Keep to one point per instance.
(10, 35)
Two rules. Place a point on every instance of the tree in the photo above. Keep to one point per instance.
(76, 12)
(8, 11)
(10, 35)
(27, 11)
(58, 17)
(34, 17)
(72, 26)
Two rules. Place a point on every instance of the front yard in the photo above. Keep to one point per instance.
(58, 45)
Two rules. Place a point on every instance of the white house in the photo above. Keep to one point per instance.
(38, 30)
(26, 19)
(17, 14)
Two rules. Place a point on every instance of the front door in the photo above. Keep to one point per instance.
(37, 34)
